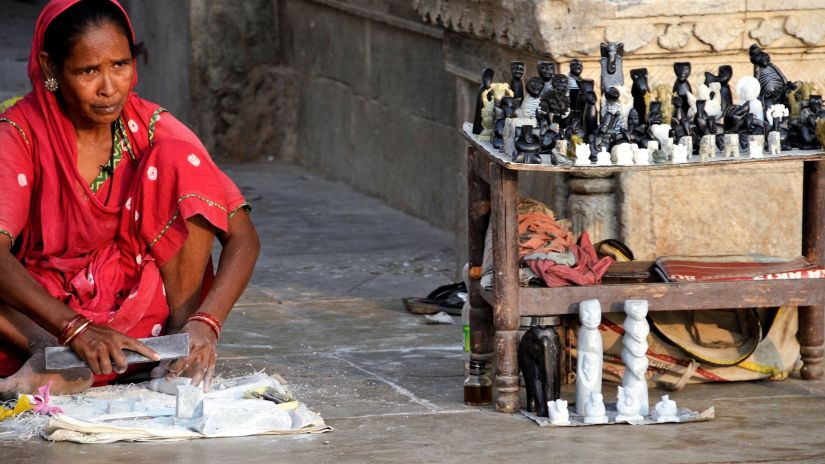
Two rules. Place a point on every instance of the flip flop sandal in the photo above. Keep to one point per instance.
(448, 298)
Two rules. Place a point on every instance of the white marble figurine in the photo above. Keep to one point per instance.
(774, 143)
(707, 147)
(627, 406)
(641, 156)
(730, 147)
(590, 353)
(559, 415)
(680, 154)
(582, 154)
(757, 145)
(634, 357)
(622, 154)
(603, 158)
(594, 410)
(748, 89)
(665, 410)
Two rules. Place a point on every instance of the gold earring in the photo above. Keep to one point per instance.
(51, 84)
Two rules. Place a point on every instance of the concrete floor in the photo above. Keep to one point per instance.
(324, 312)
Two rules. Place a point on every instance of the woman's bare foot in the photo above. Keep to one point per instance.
(33, 375)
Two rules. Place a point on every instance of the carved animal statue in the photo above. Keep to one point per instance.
(612, 55)
(664, 95)
(538, 357)
(497, 91)
(640, 91)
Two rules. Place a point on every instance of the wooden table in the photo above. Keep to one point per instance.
(492, 186)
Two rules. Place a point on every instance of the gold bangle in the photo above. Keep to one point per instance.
(77, 331)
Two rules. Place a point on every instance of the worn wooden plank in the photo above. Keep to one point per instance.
(500, 159)
(812, 317)
(504, 199)
(675, 296)
(482, 331)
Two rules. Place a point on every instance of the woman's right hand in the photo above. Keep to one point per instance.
(101, 348)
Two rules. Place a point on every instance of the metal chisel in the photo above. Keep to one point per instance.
(168, 347)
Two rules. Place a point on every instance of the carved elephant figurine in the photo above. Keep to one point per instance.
(539, 355)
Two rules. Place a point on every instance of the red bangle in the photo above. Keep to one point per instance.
(68, 329)
(209, 320)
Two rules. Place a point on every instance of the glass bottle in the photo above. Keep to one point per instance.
(478, 388)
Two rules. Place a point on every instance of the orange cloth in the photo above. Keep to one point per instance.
(539, 232)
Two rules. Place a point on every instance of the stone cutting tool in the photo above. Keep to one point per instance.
(167, 346)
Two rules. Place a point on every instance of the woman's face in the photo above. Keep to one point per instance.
(97, 76)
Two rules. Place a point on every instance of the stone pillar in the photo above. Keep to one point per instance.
(591, 205)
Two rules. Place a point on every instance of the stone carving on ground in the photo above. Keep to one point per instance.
(590, 351)
(559, 415)
(594, 410)
(634, 357)
(665, 410)
(627, 405)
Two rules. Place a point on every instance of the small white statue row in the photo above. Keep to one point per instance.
(632, 398)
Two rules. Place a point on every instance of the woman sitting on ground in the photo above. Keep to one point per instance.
(109, 210)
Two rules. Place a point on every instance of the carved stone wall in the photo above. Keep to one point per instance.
(706, 211)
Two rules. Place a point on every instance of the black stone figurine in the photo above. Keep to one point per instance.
(639, 90)
(517, 83)
(558, 103)
(807, 120)
(504, 108)
(546, 71)
(539, 356)
(679, 122)
(636, 132)
(611, 63)
(682, 87)
(773, 85)
(587, 103)
(527, 146)
(533, 98)
(574, 79)
(703, 124)
(486, 80)
(723, 78)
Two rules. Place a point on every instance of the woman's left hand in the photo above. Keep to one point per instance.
(200, 364)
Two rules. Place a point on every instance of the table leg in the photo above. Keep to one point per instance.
(812, 318)
(504, 193)
(482, 331)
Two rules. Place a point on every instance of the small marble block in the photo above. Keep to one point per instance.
(189, 402)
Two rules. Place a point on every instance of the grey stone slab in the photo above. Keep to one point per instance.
(326, 42)
(398, 56)
(417, 169)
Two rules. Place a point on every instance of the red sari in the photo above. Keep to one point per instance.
(100, 252)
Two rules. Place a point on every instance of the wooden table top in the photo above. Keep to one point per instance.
(499, 157)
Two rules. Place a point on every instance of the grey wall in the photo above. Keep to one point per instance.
(355, 90)
(164, 29)
(377, 108)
